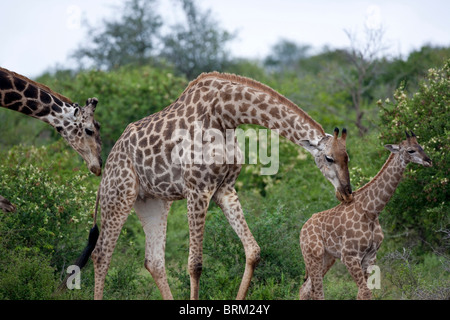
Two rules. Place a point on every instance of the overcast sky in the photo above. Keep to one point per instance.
(39, 35)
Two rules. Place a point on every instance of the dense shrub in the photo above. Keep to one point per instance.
(50, 224)
(421, 203)
(25, 276)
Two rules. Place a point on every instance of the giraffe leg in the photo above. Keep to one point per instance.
(370, 257)
(114, 212)
(353, 264)
(6, 206)
(101, 256)
(317, 263)
(153, 215)
(328, 262)
(306, 288)
(197, 207)
(368, 260)
(315, 274)
(227, 199)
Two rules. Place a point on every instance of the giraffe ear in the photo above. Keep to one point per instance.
(394, 148)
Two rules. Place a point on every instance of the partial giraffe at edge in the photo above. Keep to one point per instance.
(75, 124)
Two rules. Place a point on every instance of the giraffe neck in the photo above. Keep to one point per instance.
(33, 99)
(377, 193)
(238, 100)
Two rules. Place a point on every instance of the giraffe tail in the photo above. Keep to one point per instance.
(84, 256)
(92, 240)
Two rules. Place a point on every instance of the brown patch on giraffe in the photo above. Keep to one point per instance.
(258, 86)
(196, 97)
(20, 84)
(36, 84)
(230, 108)
(11, 97)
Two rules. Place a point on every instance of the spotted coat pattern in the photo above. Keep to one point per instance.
(140, 171)
(76, 125)
(351, 231)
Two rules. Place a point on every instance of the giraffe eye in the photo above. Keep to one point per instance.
(329, 159)
(89, 132)
(411, 151)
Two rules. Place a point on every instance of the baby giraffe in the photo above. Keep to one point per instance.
(351, 231)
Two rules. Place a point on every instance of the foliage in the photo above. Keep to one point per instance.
(31, 132)
(198, 45)
(410, 71)
(129, 40)
(55, 194)
(47, 206)
(426, 113)
(286, 56)
(25, 276)
(37, 239)
(424, 281)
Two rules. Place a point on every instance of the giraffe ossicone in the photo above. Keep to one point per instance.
(351, 232)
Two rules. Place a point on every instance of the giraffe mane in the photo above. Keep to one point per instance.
(37, 84)
(258, 86)
(385, 165)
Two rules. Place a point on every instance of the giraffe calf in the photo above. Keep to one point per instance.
(351, 231)
(338, 233)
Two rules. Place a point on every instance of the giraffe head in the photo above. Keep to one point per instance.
(331, 158)
(83, 134)
(410, 150)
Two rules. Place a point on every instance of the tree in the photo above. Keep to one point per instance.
(421, 206)
(197, 46)
(286, 55)
(410, 70)
(363, 57)
(132, 39)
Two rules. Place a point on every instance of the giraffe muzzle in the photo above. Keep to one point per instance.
(97, 170)
(344, 194)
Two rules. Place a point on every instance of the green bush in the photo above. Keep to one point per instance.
(421, 203)
(25, 276)
(55, 197)
(418, 280)
(48, 206)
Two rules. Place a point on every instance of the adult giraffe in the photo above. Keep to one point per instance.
(76, 125)
(143, 170)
